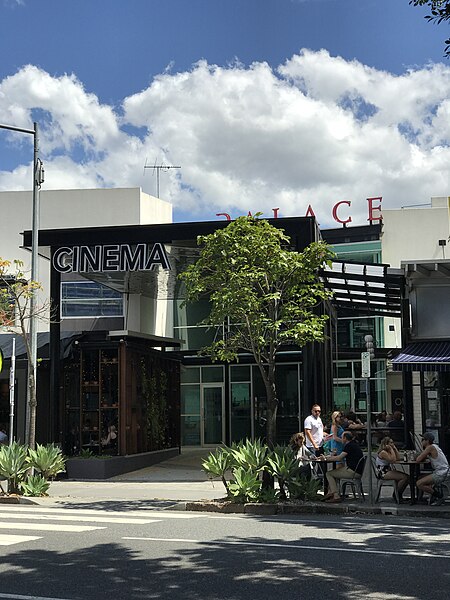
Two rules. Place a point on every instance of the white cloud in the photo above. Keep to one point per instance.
(318, 130)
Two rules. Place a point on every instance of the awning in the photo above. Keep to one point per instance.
(367, 289)
(423, 356)
(43, 338)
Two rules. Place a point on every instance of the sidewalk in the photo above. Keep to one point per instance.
(172, 483)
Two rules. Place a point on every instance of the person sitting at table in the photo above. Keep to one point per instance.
(441, 469)
(397, 429)
(387, 455)
(381, 419)
(354, 466)
(336, 443)
(302, 454)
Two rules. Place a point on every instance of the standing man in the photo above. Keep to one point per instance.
(439, 464)
(314, 438)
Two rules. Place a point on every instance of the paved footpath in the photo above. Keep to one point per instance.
(172, 483)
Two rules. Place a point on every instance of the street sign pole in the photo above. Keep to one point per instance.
(365, 364)
(12, 379)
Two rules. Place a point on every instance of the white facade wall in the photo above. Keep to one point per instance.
(76, 208)
(413, 234)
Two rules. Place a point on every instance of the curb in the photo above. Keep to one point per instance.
(16, 500)
(313, 508)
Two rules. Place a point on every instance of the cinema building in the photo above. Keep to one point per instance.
(124, 352)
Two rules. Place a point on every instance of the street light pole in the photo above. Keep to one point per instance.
(37, 181)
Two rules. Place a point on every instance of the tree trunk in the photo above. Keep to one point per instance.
(33, 405)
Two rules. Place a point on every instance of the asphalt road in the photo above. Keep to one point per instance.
(81, 554)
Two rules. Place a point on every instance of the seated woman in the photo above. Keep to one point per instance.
(387, 454)
(111, 439)
(302, 454)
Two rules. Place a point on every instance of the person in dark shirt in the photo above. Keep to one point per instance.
(354, 466)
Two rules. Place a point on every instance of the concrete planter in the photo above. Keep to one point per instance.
(104, 468)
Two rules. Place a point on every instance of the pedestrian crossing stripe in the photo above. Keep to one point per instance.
(84, 518)
(49, 527)
(7, 539)
(113, 513)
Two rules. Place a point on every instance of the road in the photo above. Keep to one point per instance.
(84, 554)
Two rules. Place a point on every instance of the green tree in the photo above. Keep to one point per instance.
(15, 314)
(440, 11)
(269, 294)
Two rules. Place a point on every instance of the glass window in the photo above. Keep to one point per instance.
(90, 299)
(190, 375)
(240, 411)
(190, 399)
(239, 373)
(212, 374)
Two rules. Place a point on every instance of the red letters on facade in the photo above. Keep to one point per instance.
(374, 211)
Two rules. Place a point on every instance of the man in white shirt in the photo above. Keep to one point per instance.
(314, 430)
(314, 438)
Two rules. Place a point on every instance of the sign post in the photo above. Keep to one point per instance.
(365, 367)
(12, 379)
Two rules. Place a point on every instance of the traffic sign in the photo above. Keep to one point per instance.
(365, 364)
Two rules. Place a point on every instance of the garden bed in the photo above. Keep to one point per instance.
(103, 468)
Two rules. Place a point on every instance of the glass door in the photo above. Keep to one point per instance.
(212, 415)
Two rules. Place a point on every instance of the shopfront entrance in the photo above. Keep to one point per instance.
(202, 407)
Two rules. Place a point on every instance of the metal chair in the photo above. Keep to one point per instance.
(355, 483)
(416, 441)
(384, 482)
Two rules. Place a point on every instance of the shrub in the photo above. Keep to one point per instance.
(246, 486)
(13, 465)
(301, 488)
(47, 460)
(283, 465)
(217, 464)
(35, 485)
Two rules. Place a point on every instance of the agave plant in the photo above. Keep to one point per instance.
(250, 455)
(283, 465)
(35, 485)
(303, 489)
(13, 465)
(47, 460)
(217, 464)
(246, 486)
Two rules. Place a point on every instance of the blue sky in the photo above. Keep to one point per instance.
(116, 83)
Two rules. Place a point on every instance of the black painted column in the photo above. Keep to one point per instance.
(56, 413)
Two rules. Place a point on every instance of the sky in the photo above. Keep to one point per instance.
(262, 104)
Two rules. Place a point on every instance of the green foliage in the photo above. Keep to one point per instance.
(283, 465)
(300, 488)
(270, 293)
(217, 464)
(35, 485)
(13, 465)
(269, 495)
(246, 486)
(85, 453)
(154, 392)
(47, 460)
(250, 455)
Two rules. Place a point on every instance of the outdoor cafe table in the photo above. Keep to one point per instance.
(414, 472)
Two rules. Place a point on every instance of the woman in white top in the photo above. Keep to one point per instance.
(387, 455)
(439, 464)
(302, 454)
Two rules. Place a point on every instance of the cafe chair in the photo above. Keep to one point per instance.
(355, 483)
(416, 441)
(384, 482)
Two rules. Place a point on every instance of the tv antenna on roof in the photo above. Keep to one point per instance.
(158, 168)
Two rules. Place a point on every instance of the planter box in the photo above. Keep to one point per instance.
(104, 468)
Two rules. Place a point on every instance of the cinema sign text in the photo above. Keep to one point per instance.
(110, 257)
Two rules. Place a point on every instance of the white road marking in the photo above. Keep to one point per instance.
(9, 540)
(91, 511)
(48, 527)
(288, 546)
(87, 519)
(19, 597)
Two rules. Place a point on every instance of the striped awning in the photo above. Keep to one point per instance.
(423, 356)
